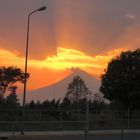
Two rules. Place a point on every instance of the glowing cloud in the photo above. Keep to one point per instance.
(63, 60)
(70, 58)
(9, 58)
(130, 16)
(55, 68)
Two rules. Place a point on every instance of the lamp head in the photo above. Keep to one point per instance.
(42, 8)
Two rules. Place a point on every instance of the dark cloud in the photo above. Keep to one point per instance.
(93, 26)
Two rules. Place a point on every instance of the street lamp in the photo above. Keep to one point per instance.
(87, 115)
(26, 62)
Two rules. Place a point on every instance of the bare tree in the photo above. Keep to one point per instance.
(77, 90)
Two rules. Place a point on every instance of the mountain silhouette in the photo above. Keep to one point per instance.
(59, 89)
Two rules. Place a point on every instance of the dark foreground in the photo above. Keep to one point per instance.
(79, 137)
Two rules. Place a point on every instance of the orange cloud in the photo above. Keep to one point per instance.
(59, 64)
(71, 58)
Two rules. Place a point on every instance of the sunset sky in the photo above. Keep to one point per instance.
(70, 34)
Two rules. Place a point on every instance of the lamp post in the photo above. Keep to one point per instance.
(26, 64)
(87, 116)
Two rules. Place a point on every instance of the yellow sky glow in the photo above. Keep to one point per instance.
(71, 58)
(64, 60)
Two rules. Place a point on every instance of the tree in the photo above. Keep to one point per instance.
(32, 105)
(66, 104)
(9, 76)
(12, 100)
(2, 102)
(77, 90)
(121, 81)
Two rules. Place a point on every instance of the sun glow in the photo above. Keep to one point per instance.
(54, 68)
(70, 58)
(64, 59)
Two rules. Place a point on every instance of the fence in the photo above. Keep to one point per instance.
(47, 120)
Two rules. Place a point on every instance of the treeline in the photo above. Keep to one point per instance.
(66, 104)
(120, 85)
(9, 102)
(76, 97)
(12, 102)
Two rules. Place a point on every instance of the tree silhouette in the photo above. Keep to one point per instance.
(8, 77)
(32, 105)
(121, 81)
(12, 100)
(77, 90)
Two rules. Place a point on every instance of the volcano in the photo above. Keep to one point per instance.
(59, 89)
